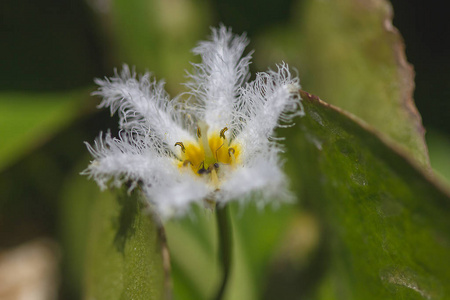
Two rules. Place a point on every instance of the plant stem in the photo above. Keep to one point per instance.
(225, 246)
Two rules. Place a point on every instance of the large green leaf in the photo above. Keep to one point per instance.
(125, 257)
(27, 120)
(386, 221)
(349, 53)
(374, 225)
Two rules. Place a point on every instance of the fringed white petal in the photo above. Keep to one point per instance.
(216, 81)
(260, 177)
(143, 106)
(118, 160)
(169, 190)
(271, 98)
(173, 198)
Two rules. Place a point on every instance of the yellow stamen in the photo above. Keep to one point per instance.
(222, 132)
(231, 153)
(211, 150)
(181, 145)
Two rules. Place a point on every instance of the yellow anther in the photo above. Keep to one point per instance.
(231, 153)
(199, 132)
(222, 132)
(181, 145)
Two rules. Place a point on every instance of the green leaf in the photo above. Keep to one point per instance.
(76, 207)
(160, 37)
(439, 148)
(27, 120)
(194, 254)
(385, 220)
(193, 246)
(260, 233)
(125, 256)
(349, 53)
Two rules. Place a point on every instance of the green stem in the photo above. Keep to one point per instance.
(225, 246)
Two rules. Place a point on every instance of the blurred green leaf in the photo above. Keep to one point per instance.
(349, 53)
(260, 233)
(158, 35)
(386, 226)
(439, 149)
(28, 120)
(194, 254)
(193, 246)
(125, 255)
(76, 206)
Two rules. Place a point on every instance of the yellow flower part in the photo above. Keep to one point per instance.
(209, 153)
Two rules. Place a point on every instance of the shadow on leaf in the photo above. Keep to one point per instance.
(125, 222)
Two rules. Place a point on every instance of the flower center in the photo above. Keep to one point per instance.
(211, 153)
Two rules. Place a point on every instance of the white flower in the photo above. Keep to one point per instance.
(217, 146)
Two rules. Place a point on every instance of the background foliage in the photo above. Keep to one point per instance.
(371, 221)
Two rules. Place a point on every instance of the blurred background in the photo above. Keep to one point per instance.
(52, 49)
